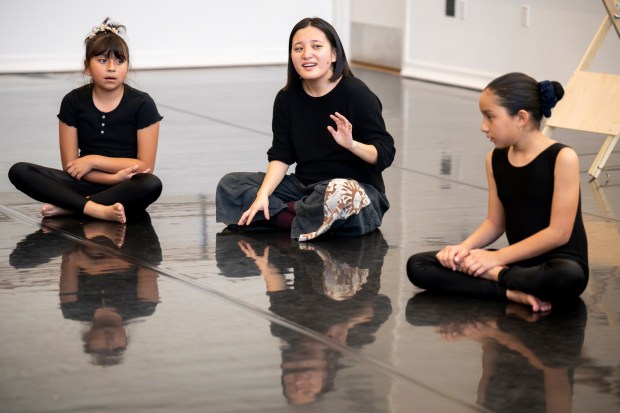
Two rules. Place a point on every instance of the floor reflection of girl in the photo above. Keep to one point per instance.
(105, 291)
(528, 359)
(97, 286)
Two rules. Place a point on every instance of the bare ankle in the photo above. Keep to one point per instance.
(114, 213)
(493, 274)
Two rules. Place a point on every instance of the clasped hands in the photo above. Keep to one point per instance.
(475, 262)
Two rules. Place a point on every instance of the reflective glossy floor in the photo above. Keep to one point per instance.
(169, 313)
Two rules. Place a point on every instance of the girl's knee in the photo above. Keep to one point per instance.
(18, 172)
(417, 266)
(151, 183)
(155, 185)
(422, 269)
(566, 276)
(412, 268)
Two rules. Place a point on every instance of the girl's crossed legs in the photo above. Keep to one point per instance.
(556, 280)
(62, 194)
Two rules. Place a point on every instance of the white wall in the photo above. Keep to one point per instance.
(377, 32)
(379, 13)
(44, 35)
(490, 40)
(40, 35)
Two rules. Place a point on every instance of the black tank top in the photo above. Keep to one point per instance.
(526, 193)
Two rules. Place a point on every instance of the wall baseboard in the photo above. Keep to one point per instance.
(72, 63)
(449, 75)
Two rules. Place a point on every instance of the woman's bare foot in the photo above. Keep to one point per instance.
(49, 210)
(114, 213)
(527, 299)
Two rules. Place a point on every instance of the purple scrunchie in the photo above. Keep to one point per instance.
(548, 99)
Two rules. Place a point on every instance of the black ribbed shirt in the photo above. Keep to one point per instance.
(114, 133)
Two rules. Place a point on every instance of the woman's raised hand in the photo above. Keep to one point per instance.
(343, 134)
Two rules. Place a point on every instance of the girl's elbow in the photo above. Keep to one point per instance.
(562, 236)
(145, 167)
(565, 238)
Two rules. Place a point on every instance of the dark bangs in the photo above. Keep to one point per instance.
(107, 44)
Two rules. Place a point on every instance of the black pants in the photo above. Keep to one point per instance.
(58, 188)
(236, 192)
(557, 279)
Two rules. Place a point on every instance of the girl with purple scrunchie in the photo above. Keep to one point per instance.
(534, 199)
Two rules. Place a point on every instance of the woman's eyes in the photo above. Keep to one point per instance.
(300, 49)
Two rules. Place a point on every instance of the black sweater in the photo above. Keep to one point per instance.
(300, 133)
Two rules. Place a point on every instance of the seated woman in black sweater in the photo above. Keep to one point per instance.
(330, 124)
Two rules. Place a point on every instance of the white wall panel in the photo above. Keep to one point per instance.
(41, 35)
(489, 40)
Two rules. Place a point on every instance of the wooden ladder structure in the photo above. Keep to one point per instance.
(591, 101)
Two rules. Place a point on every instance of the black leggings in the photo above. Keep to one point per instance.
(557, 279)
(58, 188)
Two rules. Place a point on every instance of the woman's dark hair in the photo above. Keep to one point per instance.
(105, 40)
(340, 66)
(517, 91)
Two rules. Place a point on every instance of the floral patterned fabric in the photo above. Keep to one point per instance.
(343, 198)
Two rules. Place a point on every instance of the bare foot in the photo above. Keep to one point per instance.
(519, 311)
(527, 299)
(114, 213)
(49, 210)
(115, 232)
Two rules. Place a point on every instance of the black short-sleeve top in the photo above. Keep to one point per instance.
(114, 133)
(118, 290)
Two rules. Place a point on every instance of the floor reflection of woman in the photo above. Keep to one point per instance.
(528, 359)
(334, 292)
